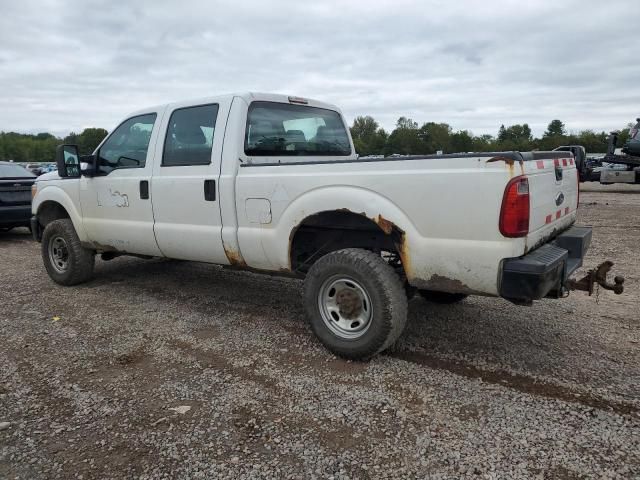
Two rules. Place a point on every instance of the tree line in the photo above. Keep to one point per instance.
(408, 138)
(41, 147)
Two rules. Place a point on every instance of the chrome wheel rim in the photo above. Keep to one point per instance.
(345, 307)
(58, 254)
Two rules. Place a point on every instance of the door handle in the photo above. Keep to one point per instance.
(210, 190)
(144, 189)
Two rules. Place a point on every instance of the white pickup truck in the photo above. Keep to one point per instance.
(272, 183)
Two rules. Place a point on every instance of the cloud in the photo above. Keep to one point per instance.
(66, 65)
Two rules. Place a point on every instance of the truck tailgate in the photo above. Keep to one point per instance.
(553, 189)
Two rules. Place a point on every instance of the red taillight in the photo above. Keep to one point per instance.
(514, 214)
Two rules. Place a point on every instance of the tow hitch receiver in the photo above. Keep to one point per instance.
(598, 275)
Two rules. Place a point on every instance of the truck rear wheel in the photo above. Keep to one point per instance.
(355, 302)
(442, 297)
(67, 262)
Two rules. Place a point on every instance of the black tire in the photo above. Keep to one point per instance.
(382, 290)
(74, 263)
(442, 297)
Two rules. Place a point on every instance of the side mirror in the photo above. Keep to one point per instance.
(68, 160)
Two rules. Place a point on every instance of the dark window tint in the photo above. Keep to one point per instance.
(279, 129)
(127, 146)
(190, 136)
(14, 171)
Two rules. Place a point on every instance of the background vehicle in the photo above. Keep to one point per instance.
(632, 145)
(624, 164)
(48, 167)
(580, 156)
(272, 183)
(15, 196)
(35, 168)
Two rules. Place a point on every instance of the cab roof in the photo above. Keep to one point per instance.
(248, 97)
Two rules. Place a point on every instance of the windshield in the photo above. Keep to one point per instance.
(8, 170)
(280, 129)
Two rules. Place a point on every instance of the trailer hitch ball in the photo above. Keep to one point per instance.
(618, 288)
(598, 276)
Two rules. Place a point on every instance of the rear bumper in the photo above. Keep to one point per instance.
(15, 215)
(544, 271)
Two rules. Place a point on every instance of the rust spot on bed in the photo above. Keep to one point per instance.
(510, 163)
(507, 160)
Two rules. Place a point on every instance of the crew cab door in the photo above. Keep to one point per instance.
(185, 192)
(116, 208)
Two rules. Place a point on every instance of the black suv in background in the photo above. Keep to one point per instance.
(15, 196)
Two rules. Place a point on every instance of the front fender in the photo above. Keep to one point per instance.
(53, 193)
(362, 201)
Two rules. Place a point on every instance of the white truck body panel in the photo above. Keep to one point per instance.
(445, 210)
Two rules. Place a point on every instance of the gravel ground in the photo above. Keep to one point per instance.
(483, 389)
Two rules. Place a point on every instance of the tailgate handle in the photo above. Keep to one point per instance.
(210, 190)
(144, 189)
(558, 173)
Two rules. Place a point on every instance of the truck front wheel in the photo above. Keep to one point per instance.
(355, 302)
(67, 262)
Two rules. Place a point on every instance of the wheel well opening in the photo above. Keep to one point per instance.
(329, 231)
(50, 211)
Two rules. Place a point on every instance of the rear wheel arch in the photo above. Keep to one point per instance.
(331, 230)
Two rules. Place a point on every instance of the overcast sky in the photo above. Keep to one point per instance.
(66, 65)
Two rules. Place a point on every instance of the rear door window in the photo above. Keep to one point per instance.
(280, 129)
(189, 137)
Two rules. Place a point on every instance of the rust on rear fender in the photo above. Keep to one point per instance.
(399, 239)
(387, 226)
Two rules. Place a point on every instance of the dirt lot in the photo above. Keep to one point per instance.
(483, 389)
